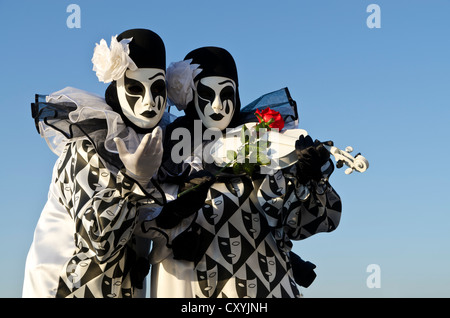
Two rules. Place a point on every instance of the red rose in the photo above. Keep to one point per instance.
(267, 114)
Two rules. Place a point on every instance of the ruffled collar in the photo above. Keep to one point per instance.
(84, 107)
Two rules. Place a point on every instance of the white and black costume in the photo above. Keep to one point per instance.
(238, 244)
(84, 244)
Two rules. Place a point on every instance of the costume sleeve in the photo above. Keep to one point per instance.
(162, 239)
(101, 203)
(311, 208)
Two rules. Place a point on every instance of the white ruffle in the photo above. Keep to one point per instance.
(91, 106)
(180, 82)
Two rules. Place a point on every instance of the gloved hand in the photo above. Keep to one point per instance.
(311, 157)
(303, 271)
(145, 161)
(139, 271)
(188, 203)
(186, 246)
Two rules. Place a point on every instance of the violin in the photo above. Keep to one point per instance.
(357, 163)
(281, 149)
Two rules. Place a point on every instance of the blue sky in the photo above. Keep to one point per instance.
(385, 91)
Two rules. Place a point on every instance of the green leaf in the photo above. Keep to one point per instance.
(237, 169)
(263, 159)
(231, 155)
(257, 115)
(248, 168)
(246, 150)
(241, 155)
(244, 134)
(253, 157)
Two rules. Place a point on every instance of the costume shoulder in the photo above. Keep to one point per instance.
(73, 113)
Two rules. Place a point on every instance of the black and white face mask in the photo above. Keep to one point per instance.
(142, 96)
(215, 101)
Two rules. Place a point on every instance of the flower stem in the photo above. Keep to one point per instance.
(197, 185)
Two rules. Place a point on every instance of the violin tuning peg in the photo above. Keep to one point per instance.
(348, 149)
(348, 170)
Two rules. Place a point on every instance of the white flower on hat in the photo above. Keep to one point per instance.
(180, 82)
(110, 63)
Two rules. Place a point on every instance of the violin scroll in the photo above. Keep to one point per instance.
(358, 162)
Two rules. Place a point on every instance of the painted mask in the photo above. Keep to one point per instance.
(215, 101)
(142, 96)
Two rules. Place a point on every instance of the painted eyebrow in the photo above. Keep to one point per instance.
(226, 81)
(160, 73)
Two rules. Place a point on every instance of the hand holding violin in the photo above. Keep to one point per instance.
(311, 157)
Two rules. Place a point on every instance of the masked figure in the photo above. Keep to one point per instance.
(238, 244)
(109, 149)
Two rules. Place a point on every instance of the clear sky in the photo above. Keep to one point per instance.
(385, 91)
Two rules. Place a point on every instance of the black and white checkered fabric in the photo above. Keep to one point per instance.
(246, 229)
(103, 207)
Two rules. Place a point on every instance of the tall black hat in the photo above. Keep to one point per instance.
(147, 49)
(214, 61)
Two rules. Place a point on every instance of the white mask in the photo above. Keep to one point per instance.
(215, 101)
(142, 96)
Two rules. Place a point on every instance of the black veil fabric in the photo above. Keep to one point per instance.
(56, 115)
(279, 100)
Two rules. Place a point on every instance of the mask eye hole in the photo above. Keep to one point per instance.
(134, 89)
(227, 93)
(158, 88)
(205, 92)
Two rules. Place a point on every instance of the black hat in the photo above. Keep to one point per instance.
(147, 49)
(214, 61)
